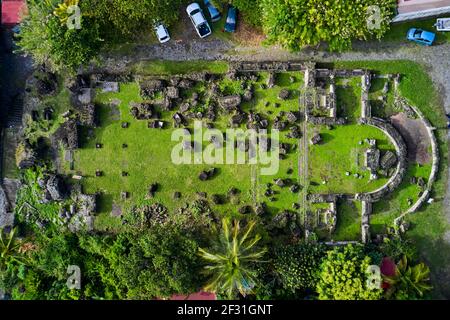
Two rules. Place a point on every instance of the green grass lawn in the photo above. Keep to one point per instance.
(396, 203)
(284, 198)
(147, 159)
(380, 109)
(398, 31)
(340, 152)
(9, 167)
(348, 224)
(159, 67)
(348, 98)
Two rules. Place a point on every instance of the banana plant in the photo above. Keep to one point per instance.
(408, 282)
(10, 249)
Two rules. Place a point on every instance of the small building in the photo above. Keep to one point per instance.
(417, 9)
(12, 12)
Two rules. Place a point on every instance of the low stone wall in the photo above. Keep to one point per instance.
(268, 66)
(401, 150)
(343, 73)
(324, 120)
(366, 110)
(421, 14)
(323, 198)
(6, 216)
(366, 211)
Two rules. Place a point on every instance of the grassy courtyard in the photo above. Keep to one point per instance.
(147, 157)
(340, 152)
(147, 160)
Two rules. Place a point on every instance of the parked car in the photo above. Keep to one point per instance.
(198, 20)
(161, 33)
(213, 11)
(230, 24)
(442, 24)
(421, 36)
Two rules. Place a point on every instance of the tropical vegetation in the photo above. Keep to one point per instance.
(230, 260)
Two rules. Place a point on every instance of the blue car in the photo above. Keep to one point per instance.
(421, 36)
(213, 12)
(230, 24)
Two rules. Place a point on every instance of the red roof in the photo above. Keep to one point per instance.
(195, 296)
(11, 11)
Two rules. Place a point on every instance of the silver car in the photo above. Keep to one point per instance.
(198, 19)
(161, 33)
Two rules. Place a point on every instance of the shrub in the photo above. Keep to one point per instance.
(298, 265)
(343, 275)
(250, 10)
(298, 23)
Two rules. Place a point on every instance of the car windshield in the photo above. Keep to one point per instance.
(203, 29)
(163, 38)
(417, 34)
(195, 11)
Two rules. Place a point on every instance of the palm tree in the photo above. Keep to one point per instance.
(408, 282)
(9, 249)
(230, 262)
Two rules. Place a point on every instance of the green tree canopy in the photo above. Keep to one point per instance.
(230, 261)
(50, 42)
(343, 275)
(297, 265)
(298, 23)
(46, 37)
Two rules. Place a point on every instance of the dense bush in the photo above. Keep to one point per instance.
(343, 275)
(49, 42)
(298, 23)
(396, 247)
(297, 265)
(156, 264)
(250, 10)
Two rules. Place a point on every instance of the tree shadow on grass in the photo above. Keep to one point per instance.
(436, 254)
(326, 138)
(104, 203)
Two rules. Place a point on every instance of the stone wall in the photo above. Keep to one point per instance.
(342, 73)
(268, 66)
(6, 216)
(366, 111)
(401, 150)
(365, 221)
(323, 198)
